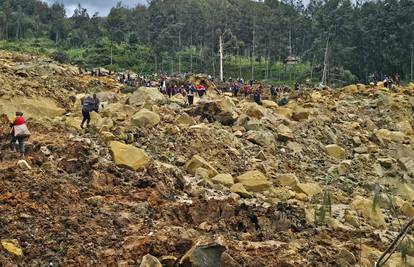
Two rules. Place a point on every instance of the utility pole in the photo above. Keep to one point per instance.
(179, 53)
(325, 64)
(290, 42)
(191, 52)
(253, 46)
(221, 56)
(412, 62)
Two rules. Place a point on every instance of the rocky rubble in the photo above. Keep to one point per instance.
(224, 183)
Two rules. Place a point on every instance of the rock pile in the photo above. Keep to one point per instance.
(323, 181)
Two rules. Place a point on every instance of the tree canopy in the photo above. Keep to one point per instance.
(364, 37)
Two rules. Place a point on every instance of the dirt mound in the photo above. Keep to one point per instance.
(335, 183)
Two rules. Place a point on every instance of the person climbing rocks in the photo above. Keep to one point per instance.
(246, 90)
(19, 133)
(297, 86)
(397, 79)
(89, 104)
(273, 92)
(201, 89)
(235, 89)
(190, 95)
(257, 96)
(169, 91)
(284, 100)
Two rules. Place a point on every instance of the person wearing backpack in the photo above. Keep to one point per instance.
(89, 104)
(19, 133)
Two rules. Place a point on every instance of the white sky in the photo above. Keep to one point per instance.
(100, 6)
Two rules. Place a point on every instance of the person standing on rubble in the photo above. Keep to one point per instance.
(169, 91)
(397, 79)
(19, 132)
(257, 95)
(273, 92)
(89, 104)
(235, 89)
(297, 86)
(190, 95)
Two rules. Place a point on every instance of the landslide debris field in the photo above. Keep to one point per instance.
(323, 181)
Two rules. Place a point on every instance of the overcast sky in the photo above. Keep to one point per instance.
(101, 6)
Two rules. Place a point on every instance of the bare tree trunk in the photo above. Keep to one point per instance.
(7, 31)
(325, 64)
(112, 52)
(156, 64)
(172, 64)
(240, 64)
(17, 31)
(221, 57)
(312, 63)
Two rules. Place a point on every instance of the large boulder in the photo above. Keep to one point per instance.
(253, 110)
(284, 133)
(22, 164)
(149, 95)
(185, 119)
(150, 261)
(301, 114)
(405, 127)
(269, 104)
(240, 190)
(222, 110)
(391, 136)
(365, 207)
(223, 179)
(128, 156)
(287, 179)
(350, 89)
(405, 191)
(284, 112)
(198, 162)
(254, 181)
(336, 151)
(145, 118)
(203, 255)
(310, 189)
(32, 107)
(262, 138)
(253, 125)
(118, 111)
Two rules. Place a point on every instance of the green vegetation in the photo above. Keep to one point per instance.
(354, 39)
(325, 211)
(141, 59)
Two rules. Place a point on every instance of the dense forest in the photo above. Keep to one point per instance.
(353, 39)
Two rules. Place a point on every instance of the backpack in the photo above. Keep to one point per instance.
(21, 130)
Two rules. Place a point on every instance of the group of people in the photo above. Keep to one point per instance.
(389, 81)
(188, 90)
(276, 93)
(133, 81)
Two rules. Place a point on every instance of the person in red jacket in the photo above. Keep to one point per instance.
(19, 133)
